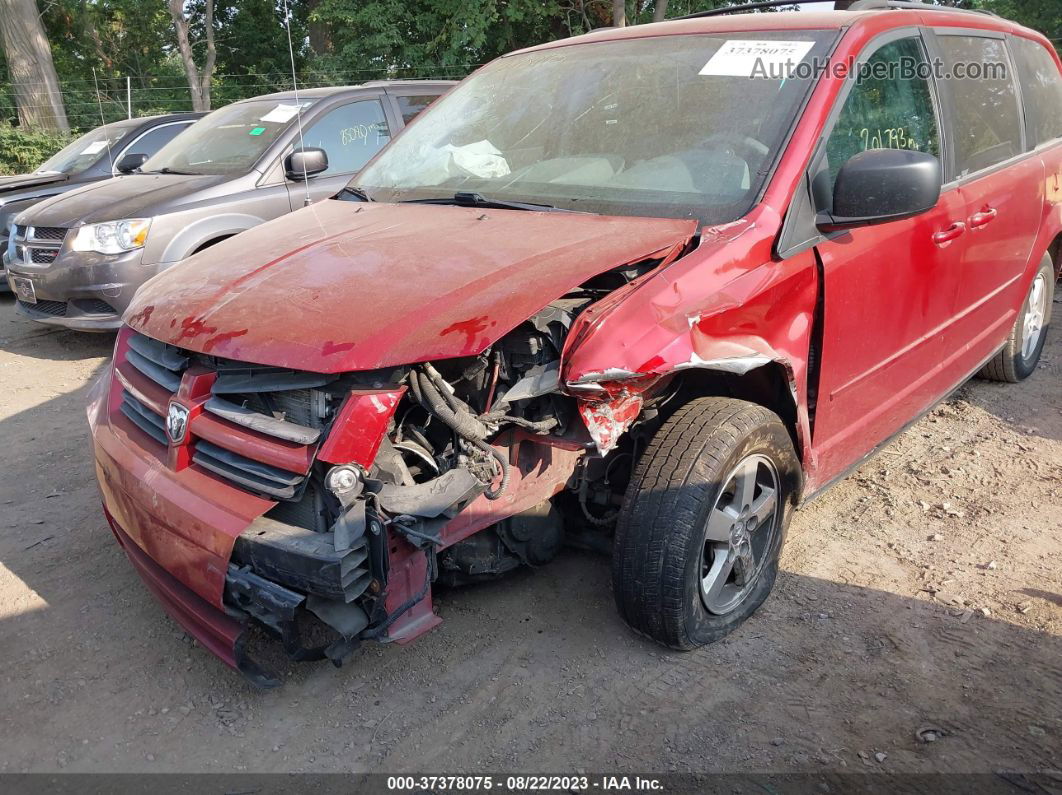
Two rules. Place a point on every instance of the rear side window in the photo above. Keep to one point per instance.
(889, 107)
(153, 141)
(410, 107)
(1041, 88)
(350, 134)
(987, 118)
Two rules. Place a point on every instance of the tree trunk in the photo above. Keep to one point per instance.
(619, 13)
(30, 66)
(319, 34)
(660, 11)
(198, 80)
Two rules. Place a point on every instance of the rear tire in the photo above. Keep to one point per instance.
(1019, 356)
(703, 522)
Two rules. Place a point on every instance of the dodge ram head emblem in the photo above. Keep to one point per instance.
(177, 422)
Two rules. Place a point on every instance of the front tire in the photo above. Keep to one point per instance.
(1018, 358)
(703, 522)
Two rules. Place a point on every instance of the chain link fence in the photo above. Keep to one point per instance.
(90, 103)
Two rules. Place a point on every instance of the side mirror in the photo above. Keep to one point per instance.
(882, 185)
(305, 163)
(131, 162)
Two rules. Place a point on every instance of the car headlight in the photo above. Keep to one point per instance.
(112, 237)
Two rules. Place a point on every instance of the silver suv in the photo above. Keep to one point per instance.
(75, 260)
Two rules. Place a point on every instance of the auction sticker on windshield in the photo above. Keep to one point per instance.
(741, 57)
(281, 114)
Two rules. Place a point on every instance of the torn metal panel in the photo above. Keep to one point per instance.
(726, 306)
(732, 364)
(607, 421)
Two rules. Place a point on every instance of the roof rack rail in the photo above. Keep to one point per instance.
(917, 5)
(740, 9)
(859, 5)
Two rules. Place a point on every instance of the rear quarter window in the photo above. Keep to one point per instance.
(411, 106)
(987, 121)
(1041, 87)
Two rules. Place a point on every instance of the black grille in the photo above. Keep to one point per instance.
(49, 233)
(94, 306)
(53, 308)
(43, 256)
(266, 400)
(252, 475)
(144, 418)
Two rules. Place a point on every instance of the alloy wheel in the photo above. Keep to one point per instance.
(740, 531)
(1035, 313)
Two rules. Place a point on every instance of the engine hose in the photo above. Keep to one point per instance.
(540, 426)
(499, 456)
(462, 422)
(456, 405)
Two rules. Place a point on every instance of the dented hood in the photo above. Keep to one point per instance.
(343, 286)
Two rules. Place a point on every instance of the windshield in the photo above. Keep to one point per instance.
(669, 126)
(85, 151)
(228, 141)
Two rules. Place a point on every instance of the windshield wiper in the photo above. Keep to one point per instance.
(479, 200)
(357, 193)
(173, 171)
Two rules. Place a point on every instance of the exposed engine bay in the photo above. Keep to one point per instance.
(353, 552)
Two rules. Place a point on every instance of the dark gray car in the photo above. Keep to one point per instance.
(91, 158)
(77, 259)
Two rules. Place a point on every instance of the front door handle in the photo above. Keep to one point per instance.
(984, 217)
(952, 232)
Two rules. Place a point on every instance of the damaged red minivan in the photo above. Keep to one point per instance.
(645, 290)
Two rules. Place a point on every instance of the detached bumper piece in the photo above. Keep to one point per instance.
(318, 619)
(220, 633)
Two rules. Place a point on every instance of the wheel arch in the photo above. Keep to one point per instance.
(212, 242)
(1054, 251)
(199, 233)
(769, 385)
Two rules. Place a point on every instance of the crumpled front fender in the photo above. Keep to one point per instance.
(727, 306)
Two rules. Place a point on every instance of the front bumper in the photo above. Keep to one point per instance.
(83, 290)
(177, 528)
(217, 631)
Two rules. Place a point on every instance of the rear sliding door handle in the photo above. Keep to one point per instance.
(982, 218)
(952, 232)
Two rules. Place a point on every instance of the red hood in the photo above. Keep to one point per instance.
(363, 285)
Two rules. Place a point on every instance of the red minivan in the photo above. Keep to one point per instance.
(645, 290)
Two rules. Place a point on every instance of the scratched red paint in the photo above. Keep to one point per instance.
(221, 339)
(331, 348)
(386, 287)
(470, 328)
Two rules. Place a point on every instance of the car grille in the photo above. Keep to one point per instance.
(52, 308)
(46, 232)
(39, 245)
(94, 306)
(259, 429)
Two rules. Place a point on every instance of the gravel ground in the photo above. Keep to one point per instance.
(916, 626)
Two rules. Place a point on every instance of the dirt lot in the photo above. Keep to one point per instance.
(924, 592)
